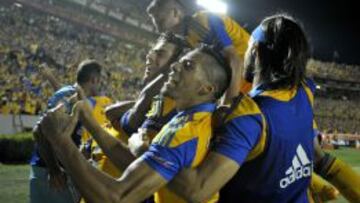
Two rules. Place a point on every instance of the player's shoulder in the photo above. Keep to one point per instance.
(67, 89)
(103, 100)
(246, 107)
(60, 94)
(184, 128)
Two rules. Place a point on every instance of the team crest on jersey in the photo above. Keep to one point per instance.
(168, 132)
(301, 168)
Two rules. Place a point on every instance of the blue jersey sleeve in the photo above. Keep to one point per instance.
(238, 137)
(157, 122)
(218, 31)
(60, 95)
(169, 161)
(125, 125)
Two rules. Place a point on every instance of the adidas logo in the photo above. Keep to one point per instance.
(301, 168)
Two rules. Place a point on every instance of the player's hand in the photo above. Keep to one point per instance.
(46, 152)
(219, 116)
(56, 124)
(139, 142)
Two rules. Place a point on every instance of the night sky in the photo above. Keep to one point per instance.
(331, 26)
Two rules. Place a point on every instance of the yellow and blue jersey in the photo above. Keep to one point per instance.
(101, 160)
(270, 135)
(98, 104)
(181, 143)
(219, 31)
(163, 109)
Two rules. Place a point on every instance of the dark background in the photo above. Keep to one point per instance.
(331, 26)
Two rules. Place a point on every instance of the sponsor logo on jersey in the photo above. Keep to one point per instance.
(301, 167)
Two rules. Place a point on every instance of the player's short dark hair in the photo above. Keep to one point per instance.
(86, 70)
(223, 78)
(284, 52)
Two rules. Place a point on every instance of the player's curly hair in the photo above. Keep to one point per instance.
(284, 53)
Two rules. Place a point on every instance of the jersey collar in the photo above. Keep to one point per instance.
(204, 107)
(278, 94)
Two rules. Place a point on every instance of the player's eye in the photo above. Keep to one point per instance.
(188, 65)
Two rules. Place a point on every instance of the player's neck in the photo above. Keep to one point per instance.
(183, 104)
(87, 91)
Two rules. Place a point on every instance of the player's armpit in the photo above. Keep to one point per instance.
(199, 184)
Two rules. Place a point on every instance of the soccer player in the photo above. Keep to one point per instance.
(195, 83)
(158, 60)
(55, 190)
(265, 151)
(229, 38)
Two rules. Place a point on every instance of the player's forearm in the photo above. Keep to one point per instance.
(137, 183)
(92, 184)
(53, 82)
(236, 65)
(186, 184)
(143, 104)
(117, 152)
(201, 183)
(115, 111)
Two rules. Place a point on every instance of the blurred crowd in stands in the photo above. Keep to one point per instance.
(29, 38)
(334, 71)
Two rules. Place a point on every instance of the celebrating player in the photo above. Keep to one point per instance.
(220, 31)
(195, 83)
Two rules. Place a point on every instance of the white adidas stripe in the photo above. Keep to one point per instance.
(301, 168)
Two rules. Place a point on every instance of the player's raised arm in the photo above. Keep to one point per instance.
(117, 151)
(45, 71)
(236, 63)
(158, 60)
(195, 82)
(136, 115)
(138, 182)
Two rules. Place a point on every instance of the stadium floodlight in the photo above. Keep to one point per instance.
(216, 6)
